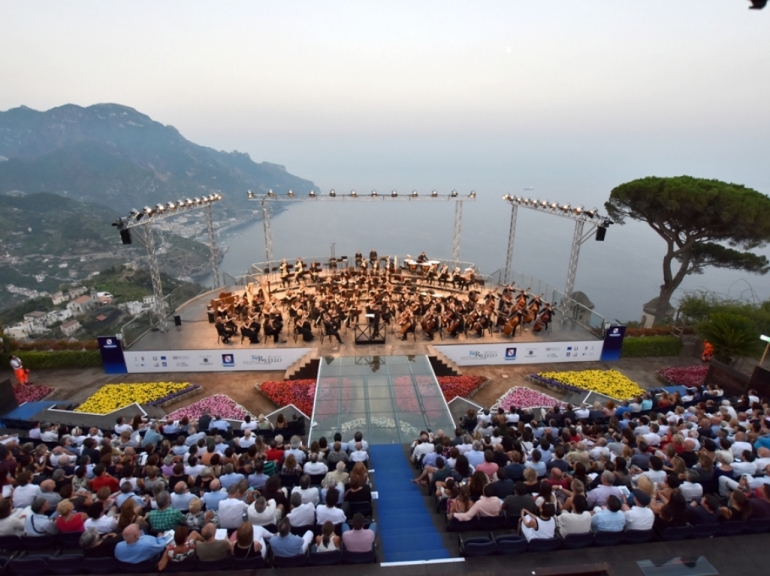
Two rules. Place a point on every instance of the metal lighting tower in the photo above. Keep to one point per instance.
(140, 221)
(434, 196)
(580, 215)
(212, 246)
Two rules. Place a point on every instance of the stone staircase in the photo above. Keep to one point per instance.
(306, 368)
(442, 365)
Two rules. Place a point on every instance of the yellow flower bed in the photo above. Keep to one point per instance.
(608, 382)
(111, 397)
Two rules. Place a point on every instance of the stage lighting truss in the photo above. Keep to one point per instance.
(141, 221)
(394, 196)
(580, 215)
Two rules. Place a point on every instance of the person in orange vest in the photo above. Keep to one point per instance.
(21, 373)
(708, 351)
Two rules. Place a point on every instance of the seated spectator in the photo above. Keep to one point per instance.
(285, 544)
(262, 512)
(673, 512)
(535, 462)
(136, 547)
(358, 539)
(263, 423)
(68, 520)
(26, 492)
(576, 521)
(327, 541)
(291, 467)
(357, 437)
(308, 493)
(476, 484)
(182, 497)
(502, 488)
(232, 509)
(181, 548)
(638, 516)
(609, 518)
(487, 505)
(759, 500)
(329, 512)
(37, 522)
(738, 508)
(302, 514)
(599, 495)
(314, 467)
(520, 500)
(337, 454)
(691, 489)
(704, 511)
(488, 467)
(214, 496)
(545, 495)
(230, 477)
(196, 518)
(94, 545)
(100, 521)
(533, 526)
(530, 480)
(165, 517)
(245, 545)
(209, 549)
(359, 454)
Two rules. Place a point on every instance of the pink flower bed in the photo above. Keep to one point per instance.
(217, 404)
(30, 393)
(689, 376)
(520, 397)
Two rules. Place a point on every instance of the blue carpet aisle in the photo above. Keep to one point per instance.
(405, 525)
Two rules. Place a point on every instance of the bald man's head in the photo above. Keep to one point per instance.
(209, 531)
(131, 533)
(181, 487)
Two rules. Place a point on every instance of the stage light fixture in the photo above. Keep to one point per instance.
(577, 210)
(171, 206)
(290, 193)
(472, 194)
(312, 194)
(592, 212)
(332, 193)
(250, 195)
(454, 194)
(434, 194)
(160, 208)
(374, 193)
(507, 197)
(270, 193)
(565, 208)
(394, 194)
(197, 201)
(414, 194)
(353, 194)
(544, 203)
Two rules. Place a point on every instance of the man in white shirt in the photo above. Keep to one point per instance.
(740, 445)
(296, 449)
(246, 440)
(34, 432)
(49, 434)
(422, 449)
(652, 437)
(301, 514)
(745, 465)
(121, 426)
(582, 412)
(194, 467)
(99, 521)
(248, 424)
(26, 492)
(576, 522)
(357, 437)
(314, 467)
(263, 512)
(690, 488)
(638, 516)
(38, 523)
(329, 512)
(232, 509)
(306, 492)
(727, 485)
(181, 497)
(360, 455)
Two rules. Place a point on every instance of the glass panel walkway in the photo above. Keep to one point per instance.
(388, 398)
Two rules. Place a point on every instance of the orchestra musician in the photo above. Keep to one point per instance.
(302, 326)
(373, 256)
(332, 327)
(406, 321)
(225, 330)
(250, 329)
(284, 273)
(430, 322)
(358, 259)
(422, 258)
(273, 326)
(299, 270)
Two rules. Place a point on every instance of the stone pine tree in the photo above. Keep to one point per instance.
(703, 222)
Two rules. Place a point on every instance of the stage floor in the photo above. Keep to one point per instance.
(196, 333)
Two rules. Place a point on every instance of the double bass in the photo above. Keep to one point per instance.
(406, 320)
(429, 322)
(509, 328)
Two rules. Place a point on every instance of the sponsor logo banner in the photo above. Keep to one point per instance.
(112, 355)
(212, 360)
(523, 353)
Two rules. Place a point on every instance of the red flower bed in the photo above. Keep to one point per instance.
(30, 393)
(462, 386)
(689, 376)
(301, 393)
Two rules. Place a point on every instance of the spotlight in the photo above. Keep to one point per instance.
(544, 203)
(190, 202)
(290, 193)
(565, 208)
(394, 194)
(160, 208)
(374, 193)
(353, 194)
(250, 195)
(312, 193)
(414, 194)
(454, 193)
(553, 206)
(472, 194)
(197, 200)
(507, 197)
(171, 206)
(332, 193)
(270, 193)
(577, 210)
(434, 194)
(592, 212)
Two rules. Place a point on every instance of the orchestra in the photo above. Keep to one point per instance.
(387, 293)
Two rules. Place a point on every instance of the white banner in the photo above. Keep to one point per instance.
(212, 360)
(523, 353)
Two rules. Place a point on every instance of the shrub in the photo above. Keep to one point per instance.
(36, 360)
(651, 346)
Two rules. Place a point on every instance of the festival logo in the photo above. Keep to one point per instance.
(510, 353)
(228, 360)
(260, 360)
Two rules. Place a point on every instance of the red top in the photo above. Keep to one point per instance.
(74, 523)
(105, 480)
